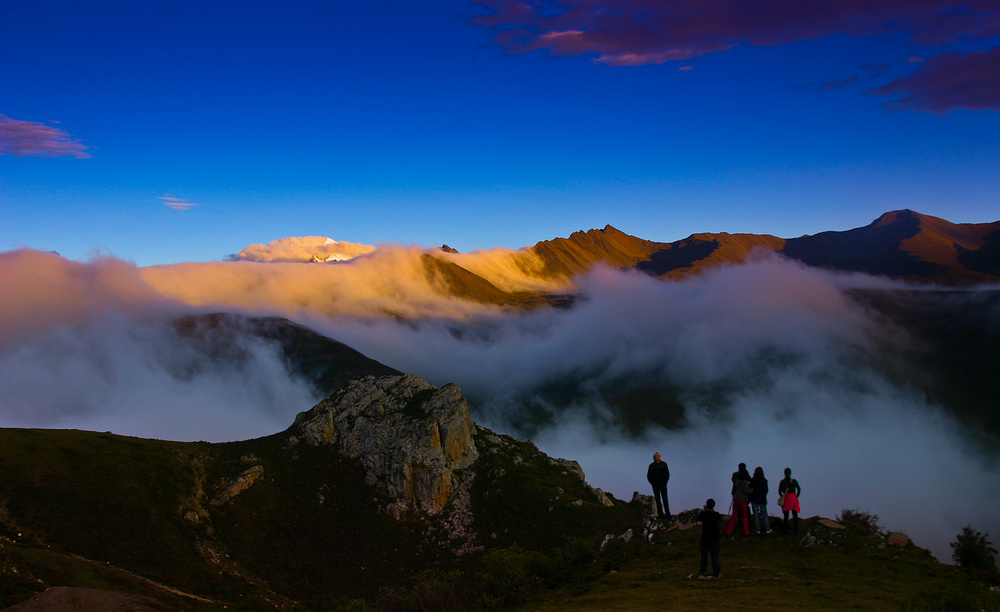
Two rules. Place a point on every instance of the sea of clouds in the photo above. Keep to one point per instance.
(92, 345)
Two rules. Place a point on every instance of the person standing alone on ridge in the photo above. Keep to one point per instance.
(658, 474)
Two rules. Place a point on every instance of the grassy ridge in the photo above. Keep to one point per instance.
(271, 524)
(259, 524)
(843, 570)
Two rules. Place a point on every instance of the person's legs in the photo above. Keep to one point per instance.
(746, 521)
(795, 518)
(716, 566)
(732, 519)
(704, 558)
(657, 495)
(662, 505)
(784, 523)
(767, 521)
(756, 516)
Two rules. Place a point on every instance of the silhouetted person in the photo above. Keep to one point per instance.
(709, 520)
(658, 474)
(758, 500)
(789, 487)
(741, 494)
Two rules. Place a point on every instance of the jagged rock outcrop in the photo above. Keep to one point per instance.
(242, 482)
(411, 438)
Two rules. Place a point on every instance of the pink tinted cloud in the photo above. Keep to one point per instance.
(33, 139)
(949, 81)
(631, 32)
(176, 203)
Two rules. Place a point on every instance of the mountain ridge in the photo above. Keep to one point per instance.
(902, 245)
(319, 517)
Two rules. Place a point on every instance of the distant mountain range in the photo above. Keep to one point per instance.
(901, 244)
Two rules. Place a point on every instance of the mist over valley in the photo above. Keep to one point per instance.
(870, 375)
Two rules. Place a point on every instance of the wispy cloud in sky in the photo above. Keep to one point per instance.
(33, 139)
(176, 203)
(950, 81)
(638, 32)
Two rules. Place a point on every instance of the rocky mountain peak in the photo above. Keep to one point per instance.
(412, 439)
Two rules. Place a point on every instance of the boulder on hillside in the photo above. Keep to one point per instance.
(411, 438)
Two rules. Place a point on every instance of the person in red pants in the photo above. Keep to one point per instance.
(741, 494)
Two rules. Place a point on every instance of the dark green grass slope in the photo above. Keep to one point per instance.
(272, 524)
(843, 570)
(259, 524)
(81, 508)
(101, 496)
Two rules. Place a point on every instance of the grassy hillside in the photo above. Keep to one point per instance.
(818, 569)
(260, 524)
(197, 526)
(288, 523)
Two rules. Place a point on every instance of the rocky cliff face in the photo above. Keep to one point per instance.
(412, 439)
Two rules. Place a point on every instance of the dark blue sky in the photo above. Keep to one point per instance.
(172, 131)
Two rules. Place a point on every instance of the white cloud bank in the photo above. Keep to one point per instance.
(789, 356)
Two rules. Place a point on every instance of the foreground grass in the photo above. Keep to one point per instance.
(139, 516)
(844, 570)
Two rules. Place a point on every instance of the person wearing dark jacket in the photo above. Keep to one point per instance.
(709, 520)
(758, 500)
(789, 491)
(658, 474)
(741, 494)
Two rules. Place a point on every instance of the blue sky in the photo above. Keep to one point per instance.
(163, 132)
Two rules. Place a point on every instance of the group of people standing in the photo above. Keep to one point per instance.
(749, 497)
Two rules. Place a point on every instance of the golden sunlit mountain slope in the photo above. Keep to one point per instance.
(900, 244)
(411, 283)
(582, 250)
(700, 252)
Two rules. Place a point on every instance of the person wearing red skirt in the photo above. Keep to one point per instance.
(789, 487)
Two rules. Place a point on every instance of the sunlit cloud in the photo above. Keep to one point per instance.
(302, 249)
(33, 139)
(691, 28)
(637, 32)
(176, 203)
